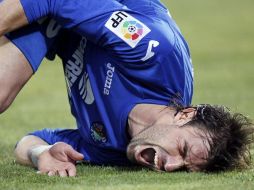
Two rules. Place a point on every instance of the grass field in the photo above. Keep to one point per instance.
(221, 38)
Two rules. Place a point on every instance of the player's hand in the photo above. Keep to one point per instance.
(59, 160)
(65, 153)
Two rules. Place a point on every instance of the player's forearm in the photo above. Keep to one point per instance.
(28, 150)
(12, 16)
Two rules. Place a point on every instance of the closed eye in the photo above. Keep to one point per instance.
(184, 150)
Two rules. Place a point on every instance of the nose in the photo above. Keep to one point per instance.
(173, 163)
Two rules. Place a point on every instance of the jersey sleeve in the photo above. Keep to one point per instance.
(144, 43)
(109, 24)
(83, 16)
(36, 41)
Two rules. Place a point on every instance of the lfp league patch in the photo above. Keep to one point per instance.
(128, 28)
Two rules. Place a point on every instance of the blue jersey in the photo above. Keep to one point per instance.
(116, 54)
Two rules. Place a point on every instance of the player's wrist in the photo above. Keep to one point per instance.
(36, 151)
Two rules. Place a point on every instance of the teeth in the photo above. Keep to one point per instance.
(156, 160)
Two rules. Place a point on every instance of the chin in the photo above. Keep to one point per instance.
(131, 152)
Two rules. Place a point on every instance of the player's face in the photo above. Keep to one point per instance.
(170, 148)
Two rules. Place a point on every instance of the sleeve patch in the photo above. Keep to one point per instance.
(128, 28)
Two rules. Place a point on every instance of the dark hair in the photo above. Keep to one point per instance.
(230, 134)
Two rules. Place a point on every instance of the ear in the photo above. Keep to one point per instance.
(185, 115)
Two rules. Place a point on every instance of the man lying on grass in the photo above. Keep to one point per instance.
(130, 82)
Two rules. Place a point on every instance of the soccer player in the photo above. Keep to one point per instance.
(130, 82)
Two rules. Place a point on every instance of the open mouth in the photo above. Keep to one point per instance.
(151, 157)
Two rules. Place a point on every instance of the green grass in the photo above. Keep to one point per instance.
(220, 34)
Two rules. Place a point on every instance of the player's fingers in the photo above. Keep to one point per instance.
(72, 171)
(51, 173)
(62, 173)
(74, 155)
(40, 172)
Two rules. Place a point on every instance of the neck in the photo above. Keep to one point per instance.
(143, 116)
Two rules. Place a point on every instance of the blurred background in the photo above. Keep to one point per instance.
(221, 39)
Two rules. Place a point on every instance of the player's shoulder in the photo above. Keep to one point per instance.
(155, 18)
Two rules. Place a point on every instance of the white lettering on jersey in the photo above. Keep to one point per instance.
(75, 65)
(73, 70)
(52, 29)
(109, 78)
(128, 28)
(149, 54)
(68, 86)
(85, 89)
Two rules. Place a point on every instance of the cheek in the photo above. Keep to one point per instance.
(163, 136)
(169, 141)
(157, 134)
(170, 146)
(197, 156)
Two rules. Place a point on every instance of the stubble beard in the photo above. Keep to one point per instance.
(145, 137)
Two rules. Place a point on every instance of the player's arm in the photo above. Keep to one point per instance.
(15, 71)
(80, 15)
(24, 150)
(105, 23)
(99, 20)
(20, 56)
(12, 16)
(58, 159)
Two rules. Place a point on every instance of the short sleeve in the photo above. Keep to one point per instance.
(125, 33)
(36, 40)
